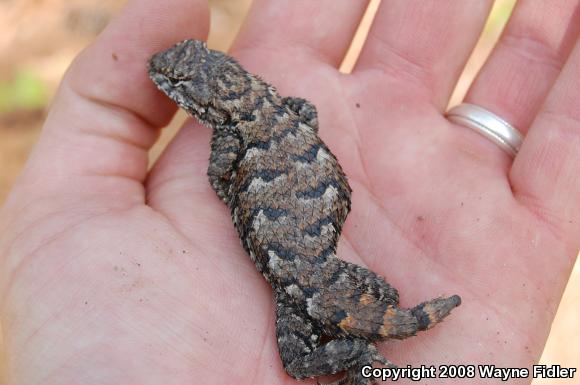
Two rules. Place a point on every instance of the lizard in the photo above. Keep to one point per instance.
(289, 198)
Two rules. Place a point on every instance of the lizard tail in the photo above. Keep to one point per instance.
(403, 323)
(432, 312)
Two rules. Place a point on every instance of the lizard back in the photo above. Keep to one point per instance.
(289, 196)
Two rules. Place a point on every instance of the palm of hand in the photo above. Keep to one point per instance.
(149, 283)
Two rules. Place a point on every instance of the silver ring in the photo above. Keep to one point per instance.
(489, 125)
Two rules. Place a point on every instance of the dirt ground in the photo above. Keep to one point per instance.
(39, 38)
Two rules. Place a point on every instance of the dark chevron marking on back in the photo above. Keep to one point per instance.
(289, 199)
(309, 155)
(319, 190)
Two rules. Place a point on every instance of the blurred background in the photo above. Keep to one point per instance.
(39, 39)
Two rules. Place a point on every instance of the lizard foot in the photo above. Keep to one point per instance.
(353, 376)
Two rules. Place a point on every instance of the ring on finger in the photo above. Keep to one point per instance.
(488, 124)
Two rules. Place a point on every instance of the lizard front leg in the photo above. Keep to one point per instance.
(225, 148)
(304, 109)
(304, 356)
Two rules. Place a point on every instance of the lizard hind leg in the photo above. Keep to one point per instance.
(358, 309)
(305, 356)
(354, 376)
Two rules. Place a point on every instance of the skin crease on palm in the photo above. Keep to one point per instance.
(115, 274)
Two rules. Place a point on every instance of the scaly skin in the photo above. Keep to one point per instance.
(289, 199)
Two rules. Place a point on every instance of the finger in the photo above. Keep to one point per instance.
(545, 176)
(526, 60)
(423, 44)
(300, 32)
(107, 111)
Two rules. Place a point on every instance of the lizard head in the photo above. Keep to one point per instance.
(197, 79)
(186, 73)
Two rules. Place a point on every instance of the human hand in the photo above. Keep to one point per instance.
(113, 274)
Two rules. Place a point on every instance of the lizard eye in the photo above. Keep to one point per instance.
(175, 82)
